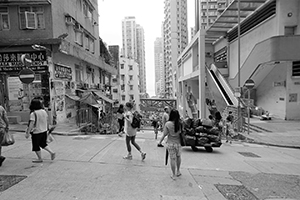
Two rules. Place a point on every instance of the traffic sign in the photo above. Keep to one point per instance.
(237, 92)
(249, 84)
(26, 76)
(25, 59)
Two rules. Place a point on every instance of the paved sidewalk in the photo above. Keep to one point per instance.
(61, 129)
(277, 132)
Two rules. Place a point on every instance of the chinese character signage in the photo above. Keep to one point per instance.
(63, 72)
(13, 59)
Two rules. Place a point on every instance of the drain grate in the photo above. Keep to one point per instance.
(249, 154)
(6, 181)
(235, 192)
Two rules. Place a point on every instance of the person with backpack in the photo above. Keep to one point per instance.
(38, 128)
(130, 129)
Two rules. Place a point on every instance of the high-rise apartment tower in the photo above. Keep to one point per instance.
(175, 40)
(134, 47)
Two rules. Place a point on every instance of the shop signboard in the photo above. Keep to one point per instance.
(63, 72)
(11, 61)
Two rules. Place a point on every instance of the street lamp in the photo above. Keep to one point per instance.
(239, 61)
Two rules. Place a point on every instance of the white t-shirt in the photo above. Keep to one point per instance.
(128, 129)
(41, 124)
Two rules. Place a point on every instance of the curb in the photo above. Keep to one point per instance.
(254, 141)
(54, 133)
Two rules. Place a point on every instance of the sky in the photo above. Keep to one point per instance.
(149, 14)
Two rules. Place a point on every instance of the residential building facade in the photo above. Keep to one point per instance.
(210, 10)
(129, 81)
(134, 47)
(64, 47)
(158, 66)
(175, 38)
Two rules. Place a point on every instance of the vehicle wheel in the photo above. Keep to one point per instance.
(194, 148)
(208, 149)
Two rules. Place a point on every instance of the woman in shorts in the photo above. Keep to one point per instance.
(172, 129)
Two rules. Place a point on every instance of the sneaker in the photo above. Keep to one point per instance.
(2, 158)
(143, 155)
(160, 145)
(128, 157)
(53, 156)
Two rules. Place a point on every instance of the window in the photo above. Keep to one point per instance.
(131, 97)
(131, 87)
(92, 45)
(122, 77)
(296, 68)
(289, 30)
(122, 66)
(115, 90)
(130, 67)
(130, 77)
(123, 87)
(86, 42)
(78, 37)
(123, 97)
(31, 17)
(77, 73)
(4, 18)
(85, 9)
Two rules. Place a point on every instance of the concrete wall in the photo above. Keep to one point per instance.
(187, 65)
(293, 90)
(270, 98)
(61, 8)
(248, 41)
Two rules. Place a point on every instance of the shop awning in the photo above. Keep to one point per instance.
(228, 19)
(20, 2)
(102, 96)
(73, 97)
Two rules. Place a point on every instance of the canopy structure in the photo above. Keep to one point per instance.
(228, 19)
(105, 98)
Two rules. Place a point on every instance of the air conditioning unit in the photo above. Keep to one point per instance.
(70, 20)
(99, 86)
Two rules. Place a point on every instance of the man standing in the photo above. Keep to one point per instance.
(3, 128)
(165, 118)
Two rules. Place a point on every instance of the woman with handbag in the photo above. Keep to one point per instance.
(3, 129)
(38, 128)
(173, 129)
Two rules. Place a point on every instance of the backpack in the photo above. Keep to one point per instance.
(136, 120)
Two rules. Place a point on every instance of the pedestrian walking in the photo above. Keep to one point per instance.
(155, 125)
(38, 128)
(172, 130)
(4, 126)
(165, 118)
(120, 116)
(229, 129)
(131, 133)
